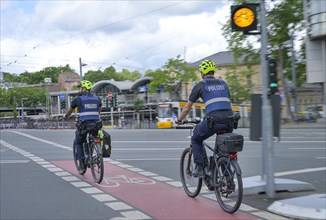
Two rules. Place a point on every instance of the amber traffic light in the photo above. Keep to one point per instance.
(244, 17)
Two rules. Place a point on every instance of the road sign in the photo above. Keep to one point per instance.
(62, 96)
(110, 95)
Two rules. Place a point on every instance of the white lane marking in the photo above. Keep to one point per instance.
(147, 173)
(161, 178)
(135, 169)
(92, 191)
(104, 197)
(307, 170)
(307, 148)
(80, 184)
(129, 214)
(44, 141)
(320, 158)
(118, 206)
(135, 215)
(62, 173)
(177, 184)
(14, 161)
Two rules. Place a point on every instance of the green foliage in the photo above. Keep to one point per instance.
(95, 76)
(283, 19)
(139, 105)
(37, 77)
(281, 14)
(235, 77)
(173, 74)
(110, 73)
(29, 97)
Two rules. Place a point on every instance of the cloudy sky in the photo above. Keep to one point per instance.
(136, 35)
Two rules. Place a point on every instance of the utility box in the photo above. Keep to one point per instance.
(256, 116)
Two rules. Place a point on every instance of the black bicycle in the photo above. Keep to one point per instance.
(93, 156)
(222, 171)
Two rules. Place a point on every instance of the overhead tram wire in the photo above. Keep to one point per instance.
(102, 27)
(126, 19)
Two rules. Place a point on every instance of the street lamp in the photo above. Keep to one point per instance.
(290, 43)
(47, 82)
(22, 111)
(80, 68)
(284, 81)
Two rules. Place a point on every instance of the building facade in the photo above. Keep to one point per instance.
(315, 17)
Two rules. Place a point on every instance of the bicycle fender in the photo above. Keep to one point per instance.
(237, 167)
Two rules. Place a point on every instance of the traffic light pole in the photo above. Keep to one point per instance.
(111, 108)
(267, 122)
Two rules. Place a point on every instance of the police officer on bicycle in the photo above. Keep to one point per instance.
(216, 96)
(88, 108)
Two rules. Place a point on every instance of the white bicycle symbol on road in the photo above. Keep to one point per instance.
(115, 181)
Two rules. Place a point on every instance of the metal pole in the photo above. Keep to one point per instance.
(80, 69)
(112, 116)
(267, 122)
(294, 77)
(285, 88)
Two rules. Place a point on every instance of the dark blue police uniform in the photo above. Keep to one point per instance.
(88, 107)
(215, 94)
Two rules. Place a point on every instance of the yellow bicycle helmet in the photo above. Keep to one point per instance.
(207, 66)
(86, 84)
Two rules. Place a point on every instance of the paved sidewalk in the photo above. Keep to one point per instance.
(304, 206)
(320, 123)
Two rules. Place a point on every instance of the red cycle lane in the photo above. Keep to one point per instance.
(155, 198)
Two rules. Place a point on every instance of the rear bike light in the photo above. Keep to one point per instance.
(97, 141)
(233, 156)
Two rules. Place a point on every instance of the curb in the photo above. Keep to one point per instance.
(305, 207)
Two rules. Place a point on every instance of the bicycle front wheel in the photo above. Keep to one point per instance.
(227, 176)
(191, 184)
(74, 150)
(97, 166)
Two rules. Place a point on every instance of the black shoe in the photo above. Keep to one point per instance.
(81, 166)
(198, 172)
(230, 186)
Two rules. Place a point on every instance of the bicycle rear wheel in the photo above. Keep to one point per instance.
(227, 176)
(97, 166)
(74, 150)
(191, 184)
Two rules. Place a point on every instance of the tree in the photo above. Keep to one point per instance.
(284, 19)
(132, 76)
(172, 76)
(138, 105)
(110, 73)
(279, 17)
(94, 76)
(38, 77)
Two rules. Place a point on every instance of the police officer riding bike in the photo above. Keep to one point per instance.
(88, 110)
(216, 96)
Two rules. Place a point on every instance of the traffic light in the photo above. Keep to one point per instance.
(272, 73)
(114, 98)
(63, 104)
(244, 17)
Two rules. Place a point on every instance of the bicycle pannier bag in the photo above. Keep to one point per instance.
(229, 142)
(105, 142)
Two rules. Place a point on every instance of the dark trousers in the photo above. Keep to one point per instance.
(201, 133)
(80, 138)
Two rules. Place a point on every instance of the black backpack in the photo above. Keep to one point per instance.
(106, 143)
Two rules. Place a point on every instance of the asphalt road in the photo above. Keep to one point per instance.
(37, 174)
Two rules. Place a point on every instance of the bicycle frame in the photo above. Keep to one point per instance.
(87, 146)
(93, 156)
(222, 175)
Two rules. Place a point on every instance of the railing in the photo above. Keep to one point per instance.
(59, 123)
